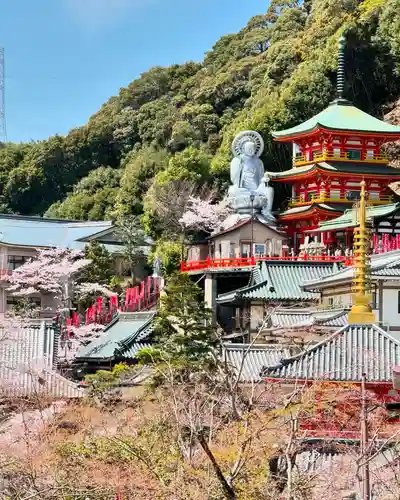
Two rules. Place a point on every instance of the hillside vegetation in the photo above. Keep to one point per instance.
(177, 123)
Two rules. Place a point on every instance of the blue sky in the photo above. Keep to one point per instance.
(64, 58)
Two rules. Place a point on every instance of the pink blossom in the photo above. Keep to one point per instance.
(205, 215)
(84, 290)
(81, 335)
(49, 272)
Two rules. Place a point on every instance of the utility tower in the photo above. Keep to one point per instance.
(3, 129)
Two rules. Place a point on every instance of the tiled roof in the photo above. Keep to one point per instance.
(37, 231)
(306, 208)
(280, 281)
(341, 115)
(133, 349)
(236, 221)
(24, 345)
(27, 360)
(344, 356)
(349, 218)
(121, 337)
(385, 264)
(294, 318)
(250, 359)
(339, 166)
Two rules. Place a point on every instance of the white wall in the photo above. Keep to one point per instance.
(391, 315)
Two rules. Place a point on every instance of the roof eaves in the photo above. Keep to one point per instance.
(124, 344)
(309, 350)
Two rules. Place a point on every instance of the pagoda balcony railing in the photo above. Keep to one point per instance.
(243, 262)
(301, 160)
(321, 198)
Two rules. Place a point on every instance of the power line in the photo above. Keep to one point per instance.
(3, 128)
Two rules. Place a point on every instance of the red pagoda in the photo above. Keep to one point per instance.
(334, 151)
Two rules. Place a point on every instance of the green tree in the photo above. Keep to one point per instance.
(101, 269)
(140, 168)
(135, 242)
(185, 336)
(93, 197)
(170, 255)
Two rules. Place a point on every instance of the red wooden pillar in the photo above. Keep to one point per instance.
(364, 149)
(342, 188)
(348, 238)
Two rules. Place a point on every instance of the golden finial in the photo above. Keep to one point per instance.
(361, 311)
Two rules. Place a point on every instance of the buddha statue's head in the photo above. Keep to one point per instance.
(249, 148)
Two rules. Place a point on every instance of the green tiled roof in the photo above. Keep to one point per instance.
(279, 281)
(120, 337)
(340, 166)
(348, 219)
(344, 356)
(386, 264)
(341, 115)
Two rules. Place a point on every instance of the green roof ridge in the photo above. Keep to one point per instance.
(341, 115)
(348, 219)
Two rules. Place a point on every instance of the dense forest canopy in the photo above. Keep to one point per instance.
(177, 123)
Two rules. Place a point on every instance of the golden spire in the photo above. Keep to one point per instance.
(361, 311)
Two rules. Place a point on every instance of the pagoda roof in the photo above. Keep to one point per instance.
(340, 115)
(349, 218)
(359, 168)
(279, 281)
(343, 356)
(312, 208)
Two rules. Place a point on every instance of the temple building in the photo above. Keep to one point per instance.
(273, 286)
(333, 152)
(335, 289)
(257, 258)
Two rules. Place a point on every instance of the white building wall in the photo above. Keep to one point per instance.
(390, 306)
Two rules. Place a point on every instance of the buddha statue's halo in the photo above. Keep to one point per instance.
(247, 136)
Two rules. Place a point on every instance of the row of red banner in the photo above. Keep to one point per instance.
(137, 298)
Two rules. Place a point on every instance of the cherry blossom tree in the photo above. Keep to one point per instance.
(78, 336)
(204, 215)
(49, 272)
(53, 271)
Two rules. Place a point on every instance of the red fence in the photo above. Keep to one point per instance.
(198, 265)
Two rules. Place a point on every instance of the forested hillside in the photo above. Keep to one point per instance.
(178, 122)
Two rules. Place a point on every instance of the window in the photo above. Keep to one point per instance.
(13, 302)
(259, 249)
(330, 302)
(398, 302)
(354, 154)
(15, 261)
(374, 299)
(232, 250)
(245, 249)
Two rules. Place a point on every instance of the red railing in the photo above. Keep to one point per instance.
(198, 265)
